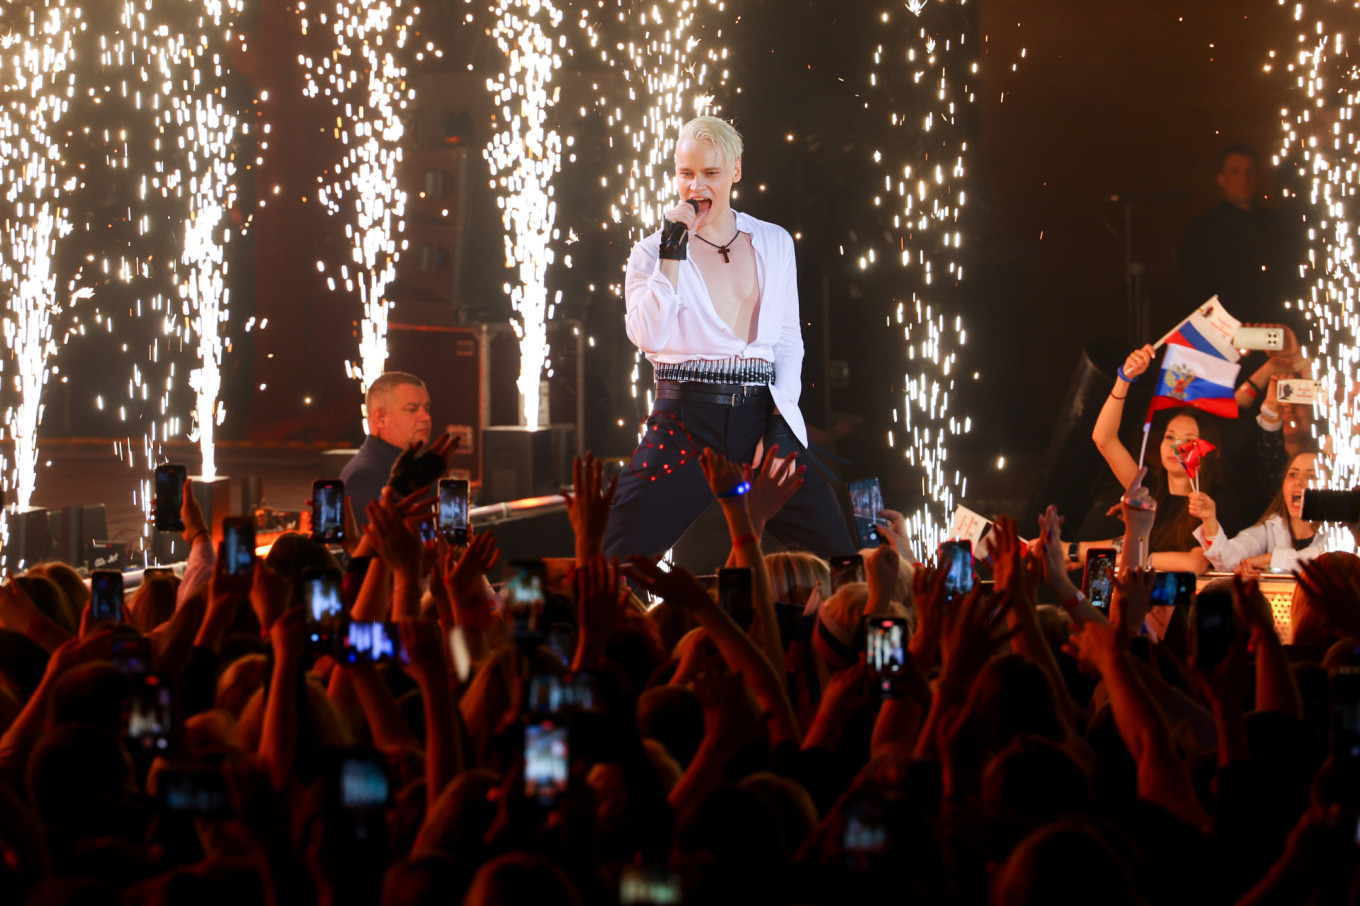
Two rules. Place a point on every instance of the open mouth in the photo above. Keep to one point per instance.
(703, 203)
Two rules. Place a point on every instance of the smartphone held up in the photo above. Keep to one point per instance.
(169, 497)
(328, 511)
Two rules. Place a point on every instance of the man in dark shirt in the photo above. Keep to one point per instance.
(398, 407)
(1239, 250)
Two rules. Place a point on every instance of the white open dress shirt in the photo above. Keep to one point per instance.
(673, 325)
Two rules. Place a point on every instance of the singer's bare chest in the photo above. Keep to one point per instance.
(733, 284)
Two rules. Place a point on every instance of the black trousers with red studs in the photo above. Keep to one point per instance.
(663, 491)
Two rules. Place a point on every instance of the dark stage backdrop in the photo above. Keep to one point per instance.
(1107, 99)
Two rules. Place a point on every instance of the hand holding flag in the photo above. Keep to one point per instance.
(1190, 454)
(1192, 378)
(1209, 329)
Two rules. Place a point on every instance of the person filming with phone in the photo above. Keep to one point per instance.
(712, 300)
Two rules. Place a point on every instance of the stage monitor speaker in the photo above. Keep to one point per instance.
(525, 462)
(29, 536)
(448, 360)
(72, 528)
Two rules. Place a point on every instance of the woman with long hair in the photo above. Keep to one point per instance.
(1172, 541)
(1279, 540)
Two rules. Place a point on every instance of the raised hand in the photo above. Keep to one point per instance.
(774, 485)
(1138, 361)
(394, 539)
(846, 692)
(1053, 549)
(97, 646)
(1095, 645)
(893, 526)
(1005, 551)
(287, 636)
(191, 514)
(600, 596)
(1203, 508)
(723, 475)
(464, 574)
(731, 713)
(684, 213)
(270, 595)
(1131, 599)
(423, 643)
(418, 466)
(881, 571)
(677, 587)
(588, 504)
(1335, 591)
(927, 592)
(17, 610)
(972, 634)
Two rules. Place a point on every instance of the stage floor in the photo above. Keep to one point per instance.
(91, 473)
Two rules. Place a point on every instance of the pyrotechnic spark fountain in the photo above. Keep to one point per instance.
(37, 87)
(920, 81)
(368, 36)
(668, 84)
(184, 75)
(1321, 145)
(524, 156)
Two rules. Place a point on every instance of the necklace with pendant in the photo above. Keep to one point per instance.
(722, 249)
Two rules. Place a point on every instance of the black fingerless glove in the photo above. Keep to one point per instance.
(674, 241)
(413, 471)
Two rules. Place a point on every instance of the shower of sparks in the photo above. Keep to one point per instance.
(183, 74)
(364, 66)
(524, 156)
(668, 83)
(920, 82)
(1321, 151)
(35, 91)
(661, 67)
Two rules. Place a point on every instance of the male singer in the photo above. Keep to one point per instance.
(718, 319)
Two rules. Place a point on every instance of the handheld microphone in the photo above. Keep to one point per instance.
(692, 203)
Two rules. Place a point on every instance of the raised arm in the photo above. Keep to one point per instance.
(588, 505)
(198, 570)
(278, 741)
(1055, 569)
(428, 666)
(730, 720)
(1019, 575)
(470, 595)
(772, 486)
(1276, 688)
(1106, 431)
(386, 722)
(1222, 552)
(400, 548)
(725, 479)
(651, 294)
(23, 734)
(738, 650)
(1162, 776)
(880, 569)
(19, 614)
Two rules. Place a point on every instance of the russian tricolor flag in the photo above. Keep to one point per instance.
(1196, 379)
(1209, 329)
